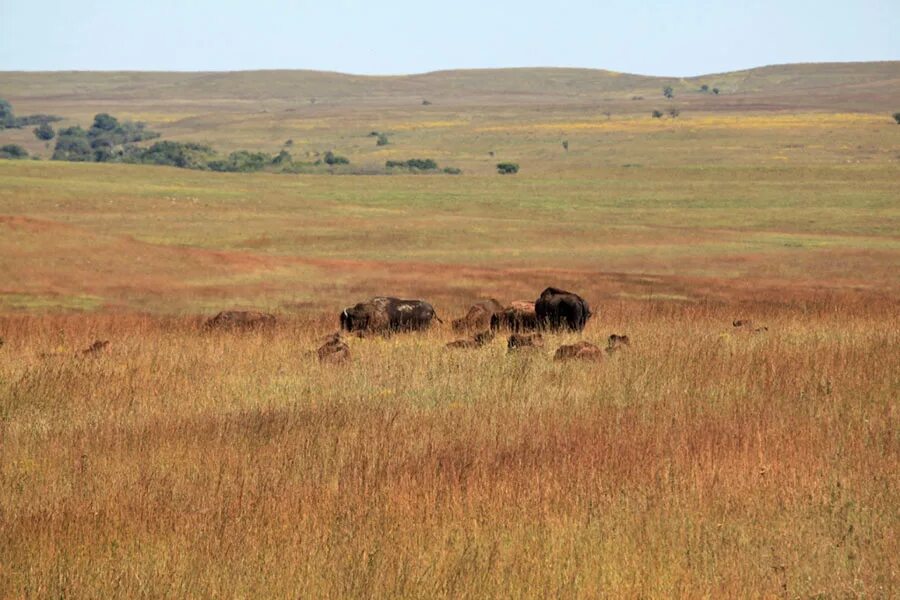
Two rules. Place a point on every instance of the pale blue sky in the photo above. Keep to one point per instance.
(403, 36)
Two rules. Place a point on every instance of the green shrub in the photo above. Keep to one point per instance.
(452, 170)
(507, 168)
(657, 114)
(897, 117)
(185, 155)
(382, 140)
(44, 132)
(668, 92)
(72, 144)
(331, 158)
(413, 164)
(13, 151)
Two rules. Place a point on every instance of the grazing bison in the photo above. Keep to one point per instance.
(525, 340)
(384, 315)
(558, 309)
(96, 348)
(241, 319)
(334, 351)
(478, 340)
(518, 316)
(479, 316)
(617, 342)
(580, 350)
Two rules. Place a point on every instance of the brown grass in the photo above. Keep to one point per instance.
(694, 463)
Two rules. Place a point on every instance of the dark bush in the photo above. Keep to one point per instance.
(668, 92)
(331, 158)
(413, 164)
(44, 132)
(704, 88)
(72, 144)
(897, 117)
(175, 154)
(657, 114)
(7, 118)
(382, 140)
(452, 170)
(13, 151)
(283, 158)
(507, 168)
(674, 112)
(715, 91)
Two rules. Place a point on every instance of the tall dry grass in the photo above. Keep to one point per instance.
(696, 463)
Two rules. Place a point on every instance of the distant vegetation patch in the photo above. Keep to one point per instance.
(13, 151)
(8, 119)
(420, 165)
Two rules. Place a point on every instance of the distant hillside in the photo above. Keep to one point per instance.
(873, 86)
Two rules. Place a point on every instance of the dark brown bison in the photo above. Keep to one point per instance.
(580, 350)
(478, 340)
(525, 340)
(559, 309)
(384, 315)
(616, 343)
(241, 319)
(334, 351)
(518, 316)
(479, 316)
(96, 348)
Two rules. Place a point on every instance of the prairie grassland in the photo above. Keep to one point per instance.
(695, 463)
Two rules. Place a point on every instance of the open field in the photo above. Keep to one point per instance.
(697, 463)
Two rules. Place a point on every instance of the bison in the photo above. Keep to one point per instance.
(616, 343)
(747, 326)
(559, 309)
(96, 348)
(384, 315)
(518, 316)
(241, 319)
(580, 350)
(478, 340)
(334, 351)
(479, 316)
(525, 340)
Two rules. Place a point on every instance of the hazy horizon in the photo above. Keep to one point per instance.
(406, 38)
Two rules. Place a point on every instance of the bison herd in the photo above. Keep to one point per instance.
(524, 321)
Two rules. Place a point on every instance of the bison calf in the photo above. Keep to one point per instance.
(477, 341)
(580, 350)
(241, 319)
(334, 351)
(616, 343)
(525, 340)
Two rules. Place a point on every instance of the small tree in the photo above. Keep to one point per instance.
(44, 132)
(333, 159)
(715, 91)
(674, 112)
(7, 118)
(565, 145)
(704, 88)
(657, 114)
(382, 140)
(507, 168)
(897, 117)
(668, 92)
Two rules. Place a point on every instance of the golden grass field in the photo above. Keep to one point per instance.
(699, 462)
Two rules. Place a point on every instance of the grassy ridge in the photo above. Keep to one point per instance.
(697, 463)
